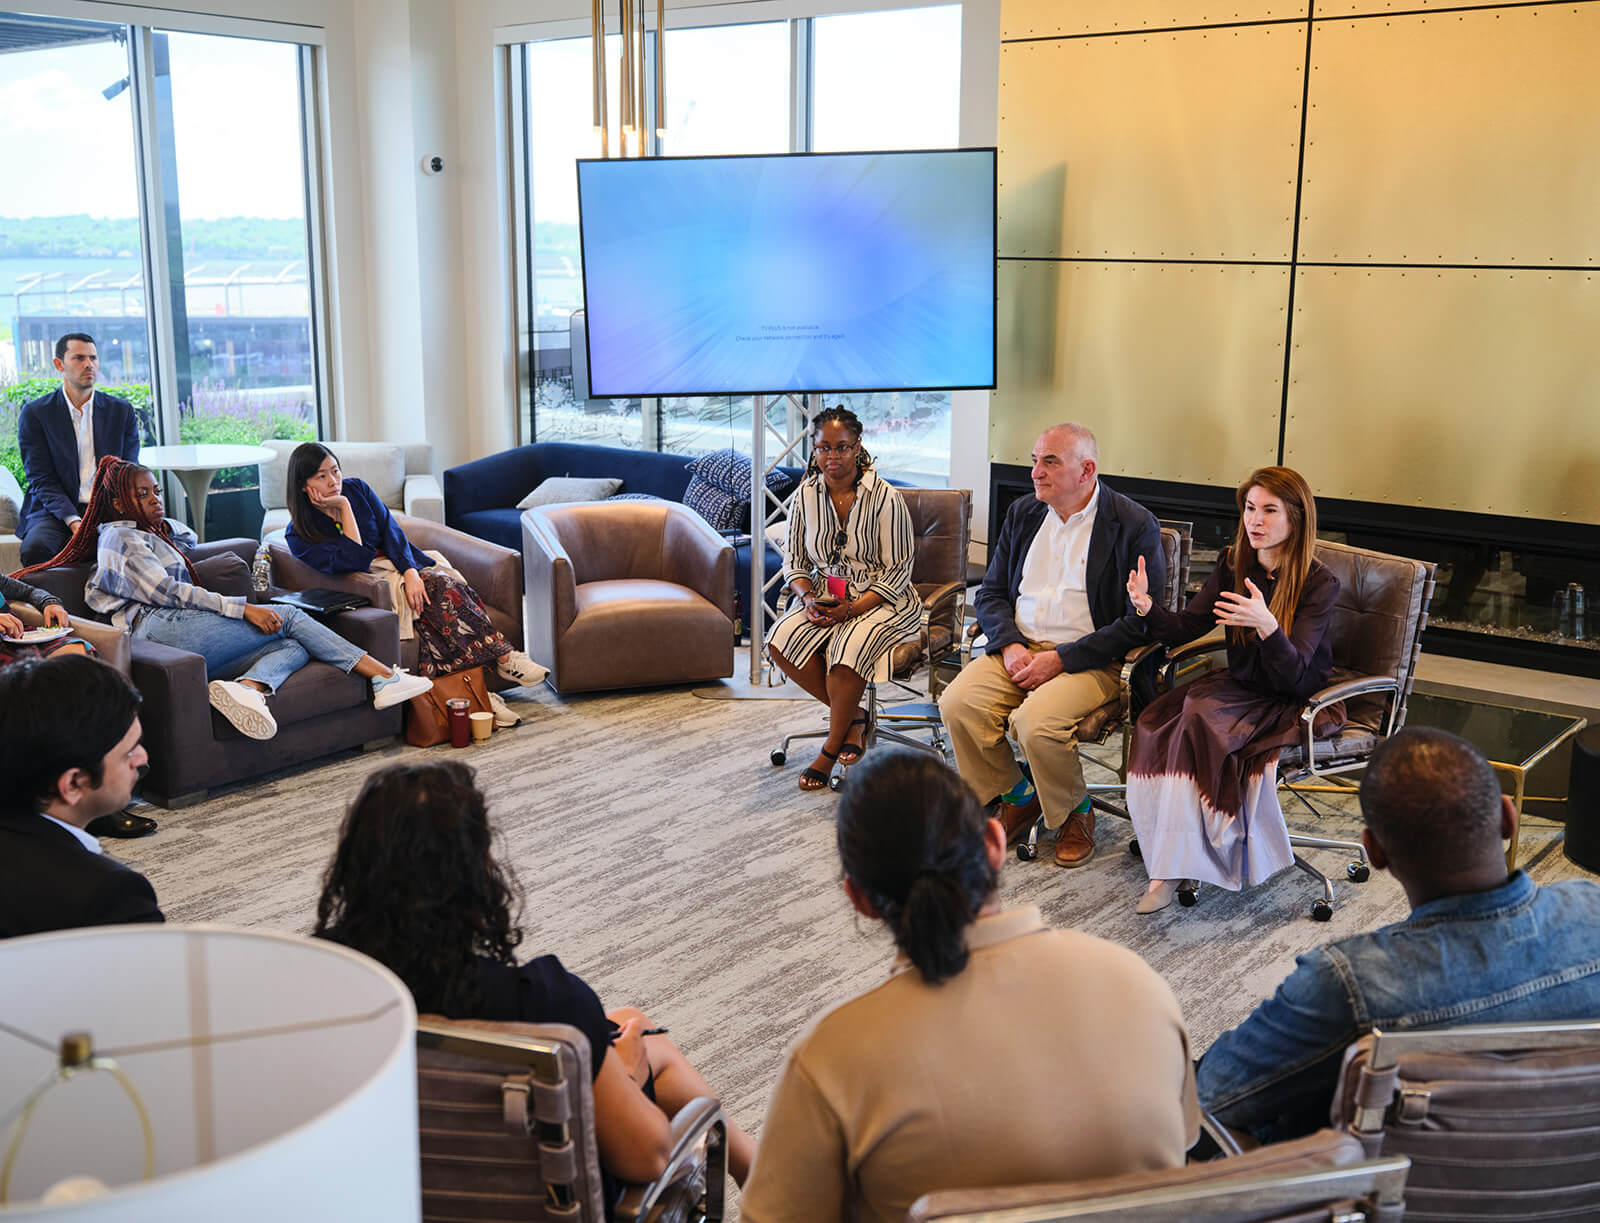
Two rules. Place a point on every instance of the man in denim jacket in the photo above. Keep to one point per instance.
(1479, 947)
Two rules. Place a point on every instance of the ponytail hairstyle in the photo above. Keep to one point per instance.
(113, 485)
(1290, 487)
(844, 416)
(310, 523)
(911, 841)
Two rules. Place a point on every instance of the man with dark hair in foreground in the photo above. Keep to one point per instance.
(69, 752)
(1479, 947)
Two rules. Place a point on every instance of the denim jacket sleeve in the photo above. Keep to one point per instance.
(1274, 1075)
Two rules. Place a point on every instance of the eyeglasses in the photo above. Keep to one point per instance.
(838, 547)
(842, 448)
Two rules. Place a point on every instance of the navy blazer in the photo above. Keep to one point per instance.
(50, 450)
(50, 882)
(1123, 531)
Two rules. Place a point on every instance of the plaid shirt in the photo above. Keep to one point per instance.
(135, 571)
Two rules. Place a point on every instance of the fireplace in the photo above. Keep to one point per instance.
(1517, 591)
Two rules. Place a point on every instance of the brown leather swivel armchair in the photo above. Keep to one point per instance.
(628, 594)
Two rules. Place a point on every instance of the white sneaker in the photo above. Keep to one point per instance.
(390, 690)
(520, 669)
(504, 715)
(243, 706)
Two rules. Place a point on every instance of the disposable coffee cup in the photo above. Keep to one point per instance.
(482, 726)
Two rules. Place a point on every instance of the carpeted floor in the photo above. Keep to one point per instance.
(666, 861)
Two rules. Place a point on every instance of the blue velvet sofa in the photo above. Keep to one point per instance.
(481, 497)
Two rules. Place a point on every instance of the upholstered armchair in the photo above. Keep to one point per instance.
(494, 572)
(319, 709)
(627, 594)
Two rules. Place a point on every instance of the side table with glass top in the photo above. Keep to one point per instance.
(1513, 739)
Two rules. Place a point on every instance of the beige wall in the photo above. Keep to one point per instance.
(1440, 299)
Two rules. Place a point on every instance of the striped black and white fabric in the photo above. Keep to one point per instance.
(876, 557)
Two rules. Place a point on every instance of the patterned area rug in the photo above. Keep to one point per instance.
(671, 865)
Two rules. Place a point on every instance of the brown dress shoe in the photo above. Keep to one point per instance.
(1075, 841)
(1016, 820)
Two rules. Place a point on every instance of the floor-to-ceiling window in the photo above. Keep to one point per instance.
(880, 80)
(158, 197)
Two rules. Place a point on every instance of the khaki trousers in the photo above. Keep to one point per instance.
(983, 700)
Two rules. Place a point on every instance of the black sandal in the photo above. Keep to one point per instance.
(855, 753)
(817, 777)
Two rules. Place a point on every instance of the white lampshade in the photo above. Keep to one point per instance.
(279, 1075)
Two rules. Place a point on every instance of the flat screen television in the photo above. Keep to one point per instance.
(792, 272)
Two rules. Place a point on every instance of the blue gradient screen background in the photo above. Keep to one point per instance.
(812, 272)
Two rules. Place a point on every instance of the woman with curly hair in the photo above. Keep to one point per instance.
(415, 885)
(939, 1077)
(848, 573)
(143, 581)
(1202, 768)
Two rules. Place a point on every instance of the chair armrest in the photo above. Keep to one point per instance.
(176, 711)
(110, 643)
(376, 630)
(550, 590)
(699, 1121)
(1332, 695)
(696, 556)
(292, 573)
(1220, 1134)
(244, 549)
(494, 572)
(10, 553)
(423, 498)
(943, 598)
(1142, 670)
(1211, 643)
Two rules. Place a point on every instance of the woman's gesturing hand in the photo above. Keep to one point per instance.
(263, 617)
(1237, 611)
(1139, 589)
(416, 592)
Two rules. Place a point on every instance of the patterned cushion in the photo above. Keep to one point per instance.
(715, 505)
(634, 497)
(558, 489)
(729, 471)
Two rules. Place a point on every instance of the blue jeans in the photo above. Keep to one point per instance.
(236, 649)
(1517, 954)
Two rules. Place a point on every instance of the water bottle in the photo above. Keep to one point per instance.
(1576, 598)
(261, 573)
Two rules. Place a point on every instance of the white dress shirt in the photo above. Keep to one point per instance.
(1053, 600)
(83, 426)
(88, 842)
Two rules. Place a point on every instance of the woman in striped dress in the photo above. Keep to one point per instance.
(847, 524)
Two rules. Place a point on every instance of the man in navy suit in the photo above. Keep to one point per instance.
(63, 436)
(69, 753)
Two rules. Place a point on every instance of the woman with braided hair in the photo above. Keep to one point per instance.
(848, 573)
(144, 582)
(930, 1080)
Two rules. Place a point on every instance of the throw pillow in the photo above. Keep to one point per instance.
(558, 489)
(716, 506)
(634, 497)
(225, 573)
(730, 471)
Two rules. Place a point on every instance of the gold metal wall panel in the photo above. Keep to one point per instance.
(1049, 18)
(1151, 146)
(1349, 8)
(1177, 368)
(1455, 138)
(1451, 389)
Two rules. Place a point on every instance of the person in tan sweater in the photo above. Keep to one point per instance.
(929, 1080)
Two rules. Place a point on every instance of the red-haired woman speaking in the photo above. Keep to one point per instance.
(1202, 772)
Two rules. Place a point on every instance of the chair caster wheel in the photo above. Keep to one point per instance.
(1187, 897)
(1321, 910)
(1359, 872)
(1026, 852)
(778, 757)
(835, 783)
(1133, 848)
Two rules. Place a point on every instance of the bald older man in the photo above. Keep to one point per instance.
(1054, 606)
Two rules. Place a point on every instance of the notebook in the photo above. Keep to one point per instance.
(321, 602)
